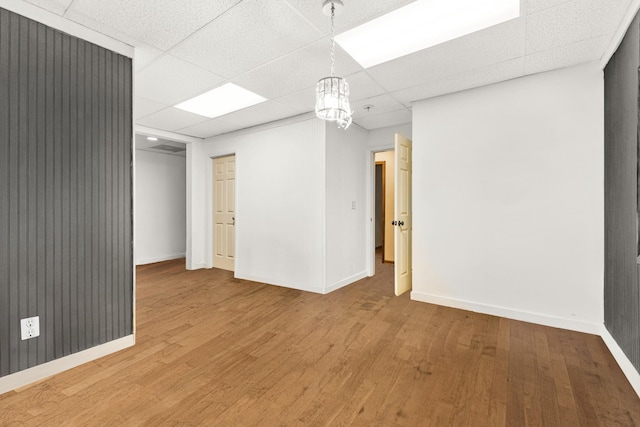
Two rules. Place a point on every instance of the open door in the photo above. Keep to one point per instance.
(403, 222)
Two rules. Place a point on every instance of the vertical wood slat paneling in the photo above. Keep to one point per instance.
(65, 189)
(32, 244)
(621, 287)
(5, 316)
(22, 178)
(14, 50)
(41, 149)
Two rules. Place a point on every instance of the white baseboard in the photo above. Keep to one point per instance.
(345, 282)
(40, 372)
(541, 319)
(623, 361)
(160, 258)
(591, 328)
(197, 266)
(281, 284)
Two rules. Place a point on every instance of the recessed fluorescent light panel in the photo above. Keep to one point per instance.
(221, 100)
(422, 24)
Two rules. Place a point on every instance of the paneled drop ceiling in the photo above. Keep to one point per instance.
(280, 48)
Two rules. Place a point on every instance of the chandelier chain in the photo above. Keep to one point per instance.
(333, 41)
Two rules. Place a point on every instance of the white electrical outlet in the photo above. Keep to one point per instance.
(30, 327)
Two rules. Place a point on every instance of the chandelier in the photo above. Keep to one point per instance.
(332, 93)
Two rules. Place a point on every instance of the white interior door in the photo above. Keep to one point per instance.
(224, 205)
(402, 222)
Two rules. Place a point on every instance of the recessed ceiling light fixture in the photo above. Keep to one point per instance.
(221, 100)
(152, 138)
(332, 93)
(422, 24)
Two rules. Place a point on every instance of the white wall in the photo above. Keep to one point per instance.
(508, 199)
(160, 229)
(295, 184)
(346, 226)
(279, 203)
(382, 139)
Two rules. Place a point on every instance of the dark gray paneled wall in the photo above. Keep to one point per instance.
(621, 295)
(65, 193)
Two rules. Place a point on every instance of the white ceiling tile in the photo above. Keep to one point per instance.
(264, 112)
(474, 78)
(56, 6)
(170, 80)
(493, 45)
(275, 48)
(297, 70)
(171, 119)
(209, 128)
(249, 35)
(572, 22)
(568, 55)
(159, 23)
(533, 6)
(100, 27)
(362, 86)
(381, 104)
(145, 55)
(353, 13)
(300, 102)
(384, 120)
(144, 107)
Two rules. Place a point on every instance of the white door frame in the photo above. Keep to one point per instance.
(370, 166)
(208, 184)
(224, 262)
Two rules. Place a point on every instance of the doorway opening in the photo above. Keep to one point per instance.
(392, 223)
(379, 208)
(160, 199)
(384, 205)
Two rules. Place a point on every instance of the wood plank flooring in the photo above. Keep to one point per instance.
(215, 351)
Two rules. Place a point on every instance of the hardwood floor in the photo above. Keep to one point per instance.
(213, 350)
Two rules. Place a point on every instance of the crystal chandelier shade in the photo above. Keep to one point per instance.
(332, 93)
(332, 100)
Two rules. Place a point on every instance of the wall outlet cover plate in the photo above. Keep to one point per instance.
(30, 327)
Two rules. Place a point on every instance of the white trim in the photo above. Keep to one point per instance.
(370, 164)
(45, 370)
(134, 209)
(62, 24)
(270, 125)
(147, 131)
(209, 188)
(322, 202)
(289, 285)
(623, 361)
(620, 33)
(198, 266)
(345, 282)
(160, 258)
(541, 319)
(370, 199)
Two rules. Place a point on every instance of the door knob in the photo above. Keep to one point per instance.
(400, 223)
